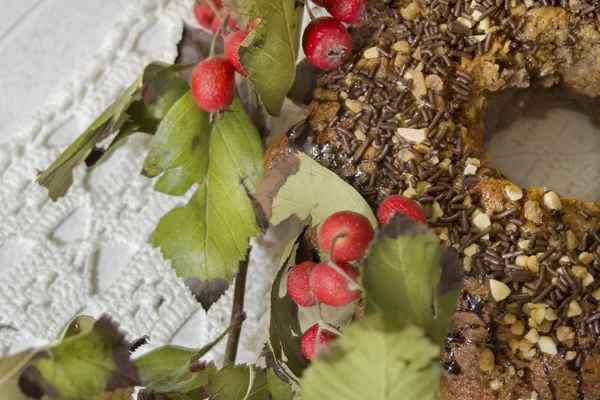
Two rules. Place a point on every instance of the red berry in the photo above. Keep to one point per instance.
(205, 15)
(404, 205)
(332, 288)
(232, 45)
(354, 234)
(348, 11)
(298, 286)
(320, 3)
(326, 43)
(213, 84)
(308, 343)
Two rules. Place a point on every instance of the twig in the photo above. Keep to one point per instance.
(222, 29)
(328, 327)
(214, 9)
(352, 283)
(309, 10)
(239, 292)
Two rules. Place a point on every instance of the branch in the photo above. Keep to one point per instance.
(237, 310)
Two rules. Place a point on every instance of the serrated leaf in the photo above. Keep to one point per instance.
(299, 185)
(239, 382)
(376, 358)
(166, 369)
(269, 54)
(82, 366)
(78, 326)
(209, 237)
(59, 176)
(10, 369)
(180, 149)
(207, 293)
(144, 115)
(410, 276)
(279, 389)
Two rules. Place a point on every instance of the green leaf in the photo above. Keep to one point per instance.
(299, 185)
(146, 394)
(120, 394)
(180, 150)
(82, 366)
(166, 369)
(410, 276)
(284, 326)
(158, 96)
(269, 54)
(59, 176)
(10, 369)
(208, 237)
(78, 326)
(279, 389)
(284, 329)
(376, 358)
(239, 382)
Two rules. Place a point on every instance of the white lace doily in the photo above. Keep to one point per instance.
(89, 252)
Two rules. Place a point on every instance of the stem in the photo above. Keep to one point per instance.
(309, 10)
(214, 9)
(328, 327)
(222, 30)
(318, 344)
(239, 291)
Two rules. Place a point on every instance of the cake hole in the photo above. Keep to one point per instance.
(548, 138)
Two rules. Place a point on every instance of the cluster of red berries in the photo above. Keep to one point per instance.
(326, 41)
(213, 80)
(344, 236)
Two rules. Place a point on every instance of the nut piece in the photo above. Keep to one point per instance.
(482, 221)
(470, 169)
(538, 315)
(586, 257)
(533, 212)
(517, 328)
(499, 290)
(412, 135)
(486, 360)
(552, 202)
(513, 192)
(574, 309)
(564, 333)
(550, 314)
(510, 319)
(371, 52)
(546, 345)
(533, 336)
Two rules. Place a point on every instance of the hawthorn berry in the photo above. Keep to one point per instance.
(298, 286)
(213, 84)
(352, 232)
(308, 343)
(400, 204)
(348, 11)
(232, 45)
(205, 15)
(326, 43)
(332, 288)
